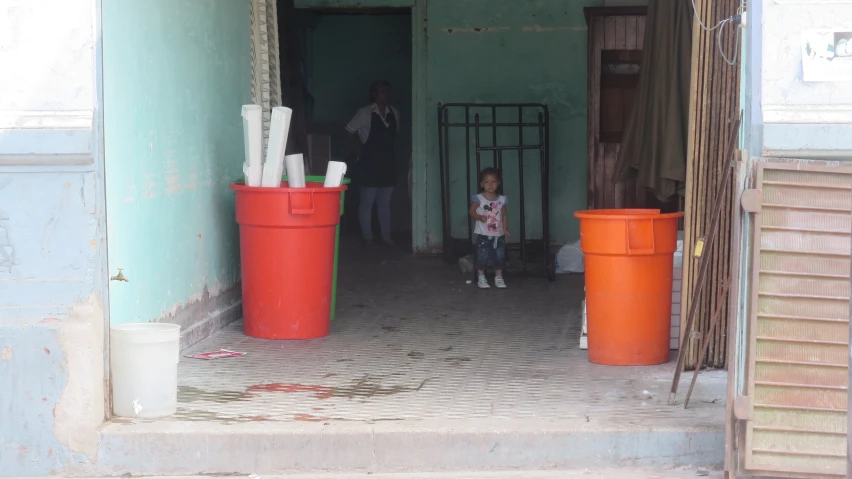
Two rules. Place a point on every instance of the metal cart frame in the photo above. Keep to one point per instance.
(456, 247)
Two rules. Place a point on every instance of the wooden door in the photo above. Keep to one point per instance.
(616, 37)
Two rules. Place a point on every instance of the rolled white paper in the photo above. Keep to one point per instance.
(334, 174)
(278, 132)
(295, 170)
(271, 175)
(253, 139)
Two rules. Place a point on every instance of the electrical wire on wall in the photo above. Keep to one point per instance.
(736, 20)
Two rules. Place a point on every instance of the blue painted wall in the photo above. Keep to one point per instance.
(52, 249)
(175, 77)
(178, 73)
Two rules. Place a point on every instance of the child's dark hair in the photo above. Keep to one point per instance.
(489, 172)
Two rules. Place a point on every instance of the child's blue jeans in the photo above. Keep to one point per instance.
(489, 248)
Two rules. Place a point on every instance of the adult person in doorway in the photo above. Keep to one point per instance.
(373, 130)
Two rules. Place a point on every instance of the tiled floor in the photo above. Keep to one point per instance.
(413, 341)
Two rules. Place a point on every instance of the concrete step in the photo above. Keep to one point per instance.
(531, 474)
(210, 448)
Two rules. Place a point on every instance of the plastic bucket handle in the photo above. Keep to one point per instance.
(294, 210)
(639, 226)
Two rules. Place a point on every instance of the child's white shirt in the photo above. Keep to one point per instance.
(493, 209)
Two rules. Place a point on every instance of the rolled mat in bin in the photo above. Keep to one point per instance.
(287, 243)
(628, 257)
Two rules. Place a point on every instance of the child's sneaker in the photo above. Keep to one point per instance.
(498, 281)
(482, 283)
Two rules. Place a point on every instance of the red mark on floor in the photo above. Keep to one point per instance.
(48, 320)
(320, 392)
(309, 418)
(46, 351)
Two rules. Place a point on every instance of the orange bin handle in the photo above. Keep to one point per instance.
(301, 211)
(649, 229)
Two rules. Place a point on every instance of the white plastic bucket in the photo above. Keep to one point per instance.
(143, 369)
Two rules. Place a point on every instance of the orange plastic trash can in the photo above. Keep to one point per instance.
(628, 258)
(287, 240)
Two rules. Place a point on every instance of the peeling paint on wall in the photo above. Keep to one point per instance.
(541, 29)
(475, 30)
(80, 410)
(7, 251)
(26, 447)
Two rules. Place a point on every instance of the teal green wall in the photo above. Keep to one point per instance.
(509, 51)
(497, 51)
(349, 52)
(175, 76)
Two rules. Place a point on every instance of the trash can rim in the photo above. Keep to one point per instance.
(308, 179)
(623, 214)
(241, 186)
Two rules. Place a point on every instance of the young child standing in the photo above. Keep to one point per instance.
(492, 227)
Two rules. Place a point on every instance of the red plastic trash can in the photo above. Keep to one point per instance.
(287, 238)
(628, 256)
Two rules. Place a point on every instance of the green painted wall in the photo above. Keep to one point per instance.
(509, 51)
(175, 76)
(497, 51)
(349, 52)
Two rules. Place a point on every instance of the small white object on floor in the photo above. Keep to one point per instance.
(222, 353)
(253, 139)
(466, 264)
(468, 281)
(569, 259)
(334, 174)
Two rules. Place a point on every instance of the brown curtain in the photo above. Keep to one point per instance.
(653, 149)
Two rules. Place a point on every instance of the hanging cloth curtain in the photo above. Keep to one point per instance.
(653, 148)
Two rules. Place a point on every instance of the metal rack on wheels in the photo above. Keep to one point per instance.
(530, 250)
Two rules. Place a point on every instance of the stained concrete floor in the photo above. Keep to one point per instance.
(415, 348)
(413, 341)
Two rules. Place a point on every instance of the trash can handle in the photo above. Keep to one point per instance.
(650, 229)
(301, 211)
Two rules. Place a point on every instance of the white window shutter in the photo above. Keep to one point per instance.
(265, 60)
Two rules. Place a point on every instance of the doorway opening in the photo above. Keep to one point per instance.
(411, 328)
(343, 52)
(413, 340)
